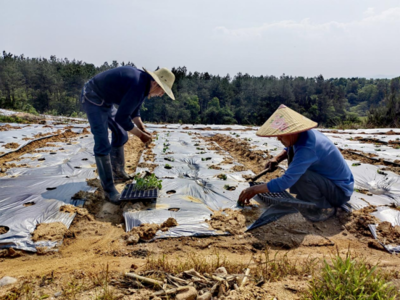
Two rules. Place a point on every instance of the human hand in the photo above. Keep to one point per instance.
(246, 195)
(272, 164)
(146, 138)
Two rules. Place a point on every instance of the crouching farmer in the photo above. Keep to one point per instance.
(126, 87)
(317, 171)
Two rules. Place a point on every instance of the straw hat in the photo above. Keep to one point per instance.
(165, 78)
(285, 121)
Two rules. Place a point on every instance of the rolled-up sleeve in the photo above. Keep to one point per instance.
(302, 160)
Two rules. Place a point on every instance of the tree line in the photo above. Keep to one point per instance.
(53, 86)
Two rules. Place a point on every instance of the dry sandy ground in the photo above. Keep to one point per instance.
(95, 241)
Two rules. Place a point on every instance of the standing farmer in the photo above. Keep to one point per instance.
(126, 87)
(317, 171)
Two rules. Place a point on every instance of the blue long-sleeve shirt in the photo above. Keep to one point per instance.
(315, 152)
(125, 86)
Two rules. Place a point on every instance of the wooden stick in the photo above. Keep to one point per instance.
(246, 274)
(145, 279)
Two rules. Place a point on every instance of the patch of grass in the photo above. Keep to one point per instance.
(350, 279)
(201, 263)
(102, 280)
(73, 288)
(16, 119)
(275, 268)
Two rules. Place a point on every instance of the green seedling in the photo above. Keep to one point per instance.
(222, 176)
(199, 148)
(356, 164)
(378, 149)
(205, 158)
(168, 167)
(274, 149)
(147, 183)
(380, 172)
(171, 159)
(197, 144)
(229, 187)
(265, 144)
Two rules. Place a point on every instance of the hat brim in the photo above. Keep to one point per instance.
(289, 133)
(166, 88)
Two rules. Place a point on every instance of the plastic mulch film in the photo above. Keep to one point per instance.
(191, 189)
(30, 196)
(271, 214)
(386, 214)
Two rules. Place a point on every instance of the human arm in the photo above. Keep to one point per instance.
(302, 160)
(138, 122)
(274, 162)
(143, 136)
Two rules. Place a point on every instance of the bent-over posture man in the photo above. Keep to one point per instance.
(317, 171)
(126, 87)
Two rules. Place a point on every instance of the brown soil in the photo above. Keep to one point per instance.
(49, 232)
(3, 229)
(64, 137)
(148, 231)
(388, 234)
(11, 145)
(151, 167)
(228, 220)
(71, 209)
(358, 221)
(8, 127)
(367, 158)
(241, 151)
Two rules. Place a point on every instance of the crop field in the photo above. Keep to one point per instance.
(59, 238)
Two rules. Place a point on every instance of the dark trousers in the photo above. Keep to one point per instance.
(102, 118)
(313, 187)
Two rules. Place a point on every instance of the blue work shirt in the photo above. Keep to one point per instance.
(315, 152)
(125, 86)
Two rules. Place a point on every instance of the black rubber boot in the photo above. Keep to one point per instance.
(106, 177)
(118, 164)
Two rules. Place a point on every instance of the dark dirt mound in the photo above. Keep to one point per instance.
(11, 145)
(357, 222)
(388, 234)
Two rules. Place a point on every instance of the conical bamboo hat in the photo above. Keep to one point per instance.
(285, 121)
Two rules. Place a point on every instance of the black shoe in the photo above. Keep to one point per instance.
(106, 178)
(317, 214)
(118, 164)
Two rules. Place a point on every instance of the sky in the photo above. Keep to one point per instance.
(335, 38)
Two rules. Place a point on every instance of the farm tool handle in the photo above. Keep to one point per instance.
(255, 177)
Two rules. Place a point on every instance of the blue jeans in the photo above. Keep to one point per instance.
(101, 117)
(313, 187)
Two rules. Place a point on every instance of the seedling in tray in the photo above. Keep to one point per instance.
(147, 183)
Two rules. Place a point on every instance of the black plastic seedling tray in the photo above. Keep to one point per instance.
(283, 198)
(129, 194)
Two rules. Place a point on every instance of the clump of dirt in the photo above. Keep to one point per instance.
(150, 166)
(228, 220)
(227, 161)
(79, 195)
(3, 229)
(171, 222)
(49, 232)
(94, 182)
(388, 234)
(148, 231)
(85, 130)
(215, 167)
(71, 209)
(8, 127)
(11, 146)
(239, 168)
(357, 222)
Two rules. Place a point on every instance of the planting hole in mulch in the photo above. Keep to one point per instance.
(52, 153)
(51, 188)
(77, 167)
(171, 192)
(29, 204)
(168, 167)
(4, 229)
(84, 159)
(174, 209)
